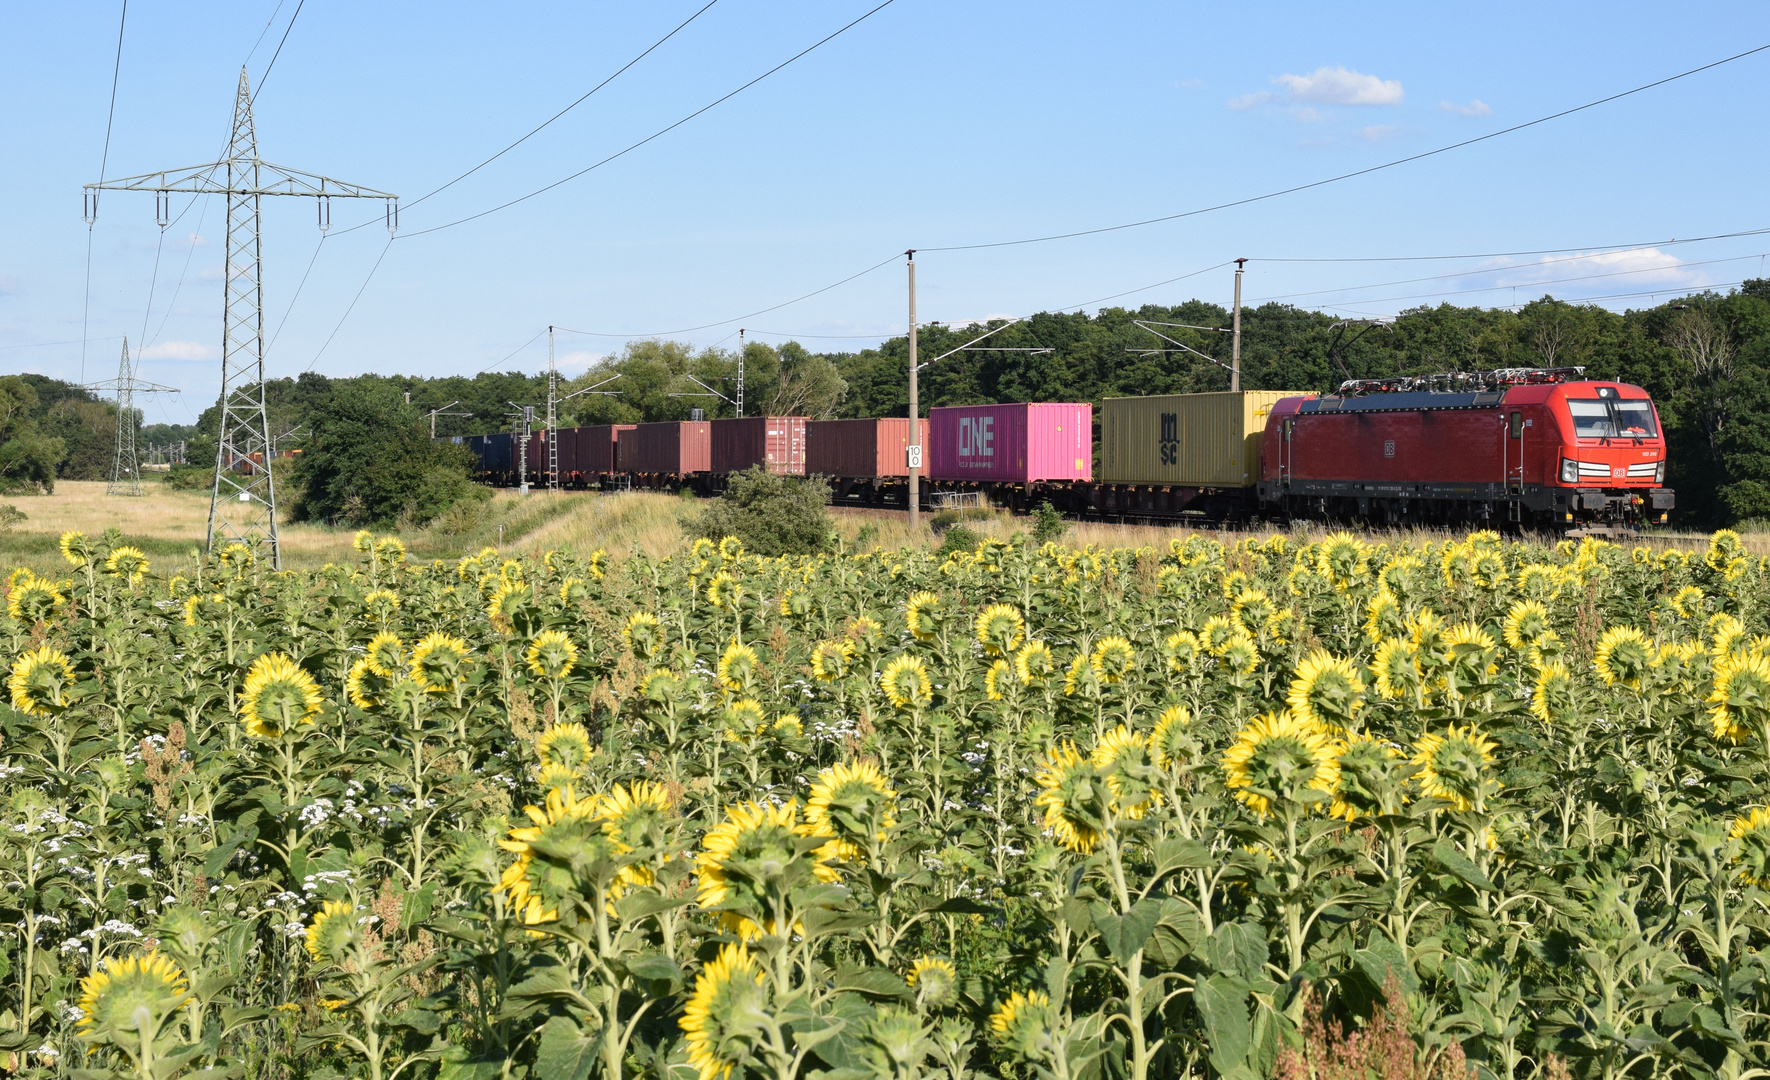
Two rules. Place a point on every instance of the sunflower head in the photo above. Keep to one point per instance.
(725, 592)
(1538, 582)
(1740, 698)
(1174, 743)
(1343, 559)
(1383, 618)
(573, 591)
(565, 745)
(1456, 767)
(855, 804)
(381, 605)
(31, 599)
(643, 635)
(1327, 691)
(744, 721)
(388, 551)
(1373, 779)
(1552, 698)
(725, 1016)
(279, 697)
(1124, 761)
(797, 604)
(1686, 603)
(127, 1000)
(551, 654)
(731, 549)
(333, 932)
(386, 655)
(508, 601)
(1623, 657)
(923, 614)
(1034, 663)
(1113, 658)
(40, 681)
(1076, 799)
(563, 843)
(363, 540)
(1215, 634)
(1000, 629)
(639, 814)
(1753, 853)
(906, 683)
(364, 686)
(1396, 669)
(830, 660)
(753, 857)
(1426, 634)
(737, 667)
(1182, 652)
(77, 549)
(1240, 655)
(1279, 763)
(439, 663)
(128, 563)
(934, 980)
(1527, 621)
(1025, 1025)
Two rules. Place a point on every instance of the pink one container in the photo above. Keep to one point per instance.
(1014, 444)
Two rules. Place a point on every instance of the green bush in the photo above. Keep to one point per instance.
(1048, 524)
(772, 515)
(189, 477)
(956, 538)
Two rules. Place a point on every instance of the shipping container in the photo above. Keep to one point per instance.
(1013, 444)
(1185, 440)
(859, 448)
(500, 452)
(566, 438)
(668, 449)
(777, 442)
(596, 447)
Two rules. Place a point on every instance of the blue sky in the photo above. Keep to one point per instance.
(930, 124)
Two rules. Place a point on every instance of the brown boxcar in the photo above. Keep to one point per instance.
(596, 447)
(667, 449)
(777, 442)
(859, 448)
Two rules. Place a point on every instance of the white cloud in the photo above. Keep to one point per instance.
(1604, 271)
(1308, 114)
(178, 350)
(1476, 107)
(1341, 86)
(1377, 132)
(576, 363)
(198, 240)
(1248, 101)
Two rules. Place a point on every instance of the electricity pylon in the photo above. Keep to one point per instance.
(243, 500)
(125, 466)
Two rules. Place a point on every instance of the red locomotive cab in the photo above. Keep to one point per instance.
(1534, 448)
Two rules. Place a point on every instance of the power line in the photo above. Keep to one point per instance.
(359, 295)
(1548, 282)
(1513, 254)
(273, 56)
(1357, 172)
(104, 163)
(537, 130)
(662, 131)
(70, 341)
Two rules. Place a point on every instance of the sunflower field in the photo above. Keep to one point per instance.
(1278, 807)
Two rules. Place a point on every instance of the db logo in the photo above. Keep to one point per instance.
(1388, 447)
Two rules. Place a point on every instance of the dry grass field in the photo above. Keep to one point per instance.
(170, 524)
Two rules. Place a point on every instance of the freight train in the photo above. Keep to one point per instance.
(1522, 447)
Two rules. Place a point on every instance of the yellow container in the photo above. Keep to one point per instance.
(1188, 440)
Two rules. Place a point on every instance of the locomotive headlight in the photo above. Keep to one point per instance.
(1569, 471)
(1659, 473)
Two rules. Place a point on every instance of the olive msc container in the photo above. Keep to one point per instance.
(1013, 444)
(856, 449)
(776, 442)
(1185, 440)
(667, 449)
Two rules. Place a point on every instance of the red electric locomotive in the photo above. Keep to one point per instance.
(1532, 447)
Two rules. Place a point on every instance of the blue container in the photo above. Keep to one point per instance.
(498, 457)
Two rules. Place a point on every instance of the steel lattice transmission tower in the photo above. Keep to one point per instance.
(126, 466)
(243, 501)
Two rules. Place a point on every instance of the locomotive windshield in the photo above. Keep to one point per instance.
(1609, 418)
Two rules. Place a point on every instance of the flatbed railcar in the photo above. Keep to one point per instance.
(1526, 448)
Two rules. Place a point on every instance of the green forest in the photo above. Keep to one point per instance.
(1705, 358)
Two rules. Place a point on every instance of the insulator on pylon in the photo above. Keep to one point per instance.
(162, 208)
(324, 204)
(88, 205)
(393, 215)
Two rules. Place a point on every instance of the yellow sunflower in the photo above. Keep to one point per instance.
(332, 931)
(922, 614)
(31, 599)
(551, 655)
(520, 883)
(1113, 658)
(1172, 741)
(737, 667)
(723, 1017)
(1395, 668)
(1327, 691)
(1455, 766)
(1075, 798)
(906, 683)
(1034, 663)
(386, 654)
(830, 660)
(1622, 657)
(439, 663)
(1023, 1024)
(1000, 629)
(1124, 760)
(128, 1000)
(1279, 758)
(1753, 833)
(40, 681)
(130, 563)
(642, 634)
(1552, 697)
(754, 836)
(851, 802)
(1527, 621)
(278, 697)
(1741, 697)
